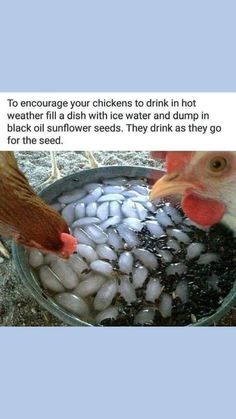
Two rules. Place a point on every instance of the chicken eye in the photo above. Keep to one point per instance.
(218, 164)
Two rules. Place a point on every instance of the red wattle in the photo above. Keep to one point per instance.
(205, 212)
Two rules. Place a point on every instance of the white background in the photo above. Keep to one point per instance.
(220, 106)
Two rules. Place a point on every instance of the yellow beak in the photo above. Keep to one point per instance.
(170, 184)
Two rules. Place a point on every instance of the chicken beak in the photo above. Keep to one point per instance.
(170, 184)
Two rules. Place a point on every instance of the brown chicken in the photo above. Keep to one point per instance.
(25, 217)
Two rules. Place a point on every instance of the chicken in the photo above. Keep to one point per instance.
(25, 217)
(206, 182)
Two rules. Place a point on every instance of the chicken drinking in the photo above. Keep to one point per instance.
(25, 217)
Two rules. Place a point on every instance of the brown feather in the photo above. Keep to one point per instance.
(24, 215)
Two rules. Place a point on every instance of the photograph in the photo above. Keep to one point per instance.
(117, 238)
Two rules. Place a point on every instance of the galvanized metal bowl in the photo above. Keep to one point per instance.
(69, 183)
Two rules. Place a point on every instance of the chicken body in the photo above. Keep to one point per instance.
(206, 182)
(25, 217)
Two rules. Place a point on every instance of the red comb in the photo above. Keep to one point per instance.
(158, 155)
(69, 244)
(178, 160)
